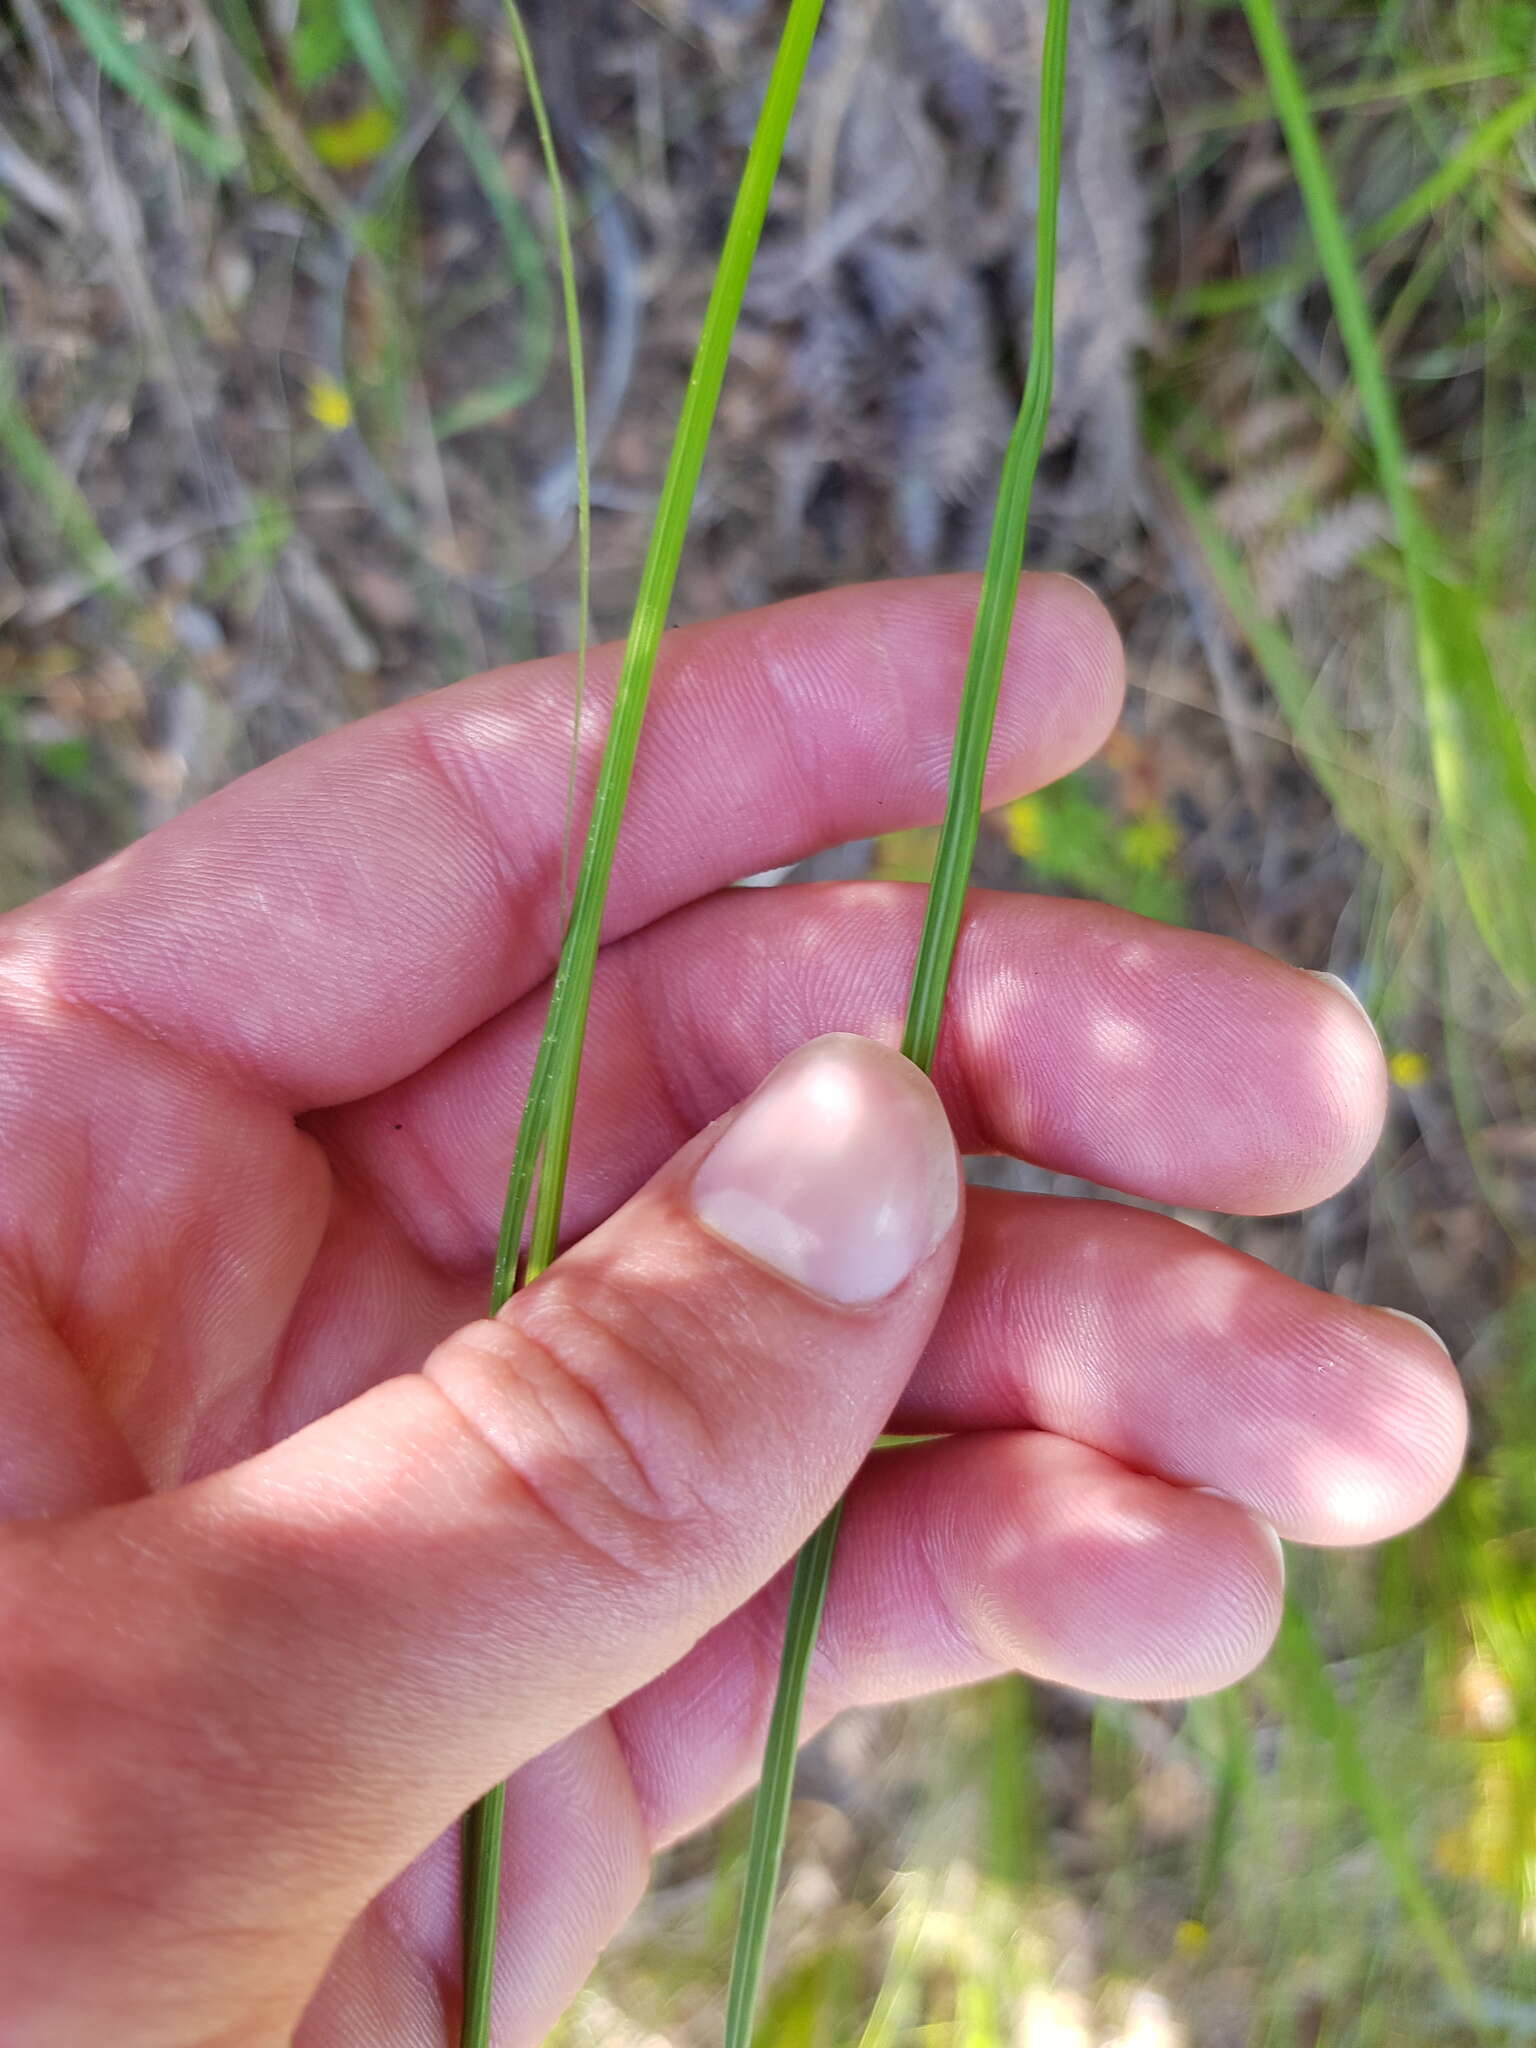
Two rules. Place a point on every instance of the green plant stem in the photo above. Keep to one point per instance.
(566, 256)
(770, 1809)
(999, 587)
(485, 1823)
(544, 1135)
(545, 1132)
(930, 980)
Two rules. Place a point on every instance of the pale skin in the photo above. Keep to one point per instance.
(302, 1556)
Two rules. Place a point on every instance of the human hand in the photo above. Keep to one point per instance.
(305, 1557)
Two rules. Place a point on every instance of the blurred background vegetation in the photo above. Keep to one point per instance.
(285, 435)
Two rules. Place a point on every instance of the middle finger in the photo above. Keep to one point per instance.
(1165, 1063)
(1169, 1351)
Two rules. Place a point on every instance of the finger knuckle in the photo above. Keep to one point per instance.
(585, 1402)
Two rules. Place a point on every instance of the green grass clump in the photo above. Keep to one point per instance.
(1482, 772)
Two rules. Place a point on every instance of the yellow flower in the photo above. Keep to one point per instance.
(1408, 1069)
(329, 404)
(360, 138)
(1150, 840)
(1024, 826)
(1189, 1937)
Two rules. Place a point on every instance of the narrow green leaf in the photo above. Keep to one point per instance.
(999, 584)
(565, 1025)
(1250, 108)
(1345, 774)
(525, 261)
(566, 258)
(1485, 142)
(29, 457)
(1227, 1719)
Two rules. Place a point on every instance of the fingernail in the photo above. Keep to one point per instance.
(1418, 1323)
(840, 1173)
(1337, 981)
(1267, 1530)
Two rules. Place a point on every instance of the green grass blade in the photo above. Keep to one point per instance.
(999, 585)
(29, 457)
(1449, 178)
(371, 49)
(1012, 1816)
(770, 1809)
(484, 1825)
(1483, 776)
(566, 260)
(543, 1144)
(1312, 1699)
(525, 262)
(1226, 1716)
(1251, 108)
(1481, 773)
(1444, 183)
(930, 977)
(566, 1024)
(1346, 775)
(116, 58)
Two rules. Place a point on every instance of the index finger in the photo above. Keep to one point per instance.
(333, 921)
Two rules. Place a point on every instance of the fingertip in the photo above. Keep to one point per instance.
(1306, 1054)
(1119, 1584)
(1408, 1441)
(1345, 1076)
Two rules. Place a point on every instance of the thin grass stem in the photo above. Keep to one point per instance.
(566, 262)
(542, 1152)
(770, 1809)
(485, 1823)
(930, 981)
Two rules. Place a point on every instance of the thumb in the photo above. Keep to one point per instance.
(270, 1690)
